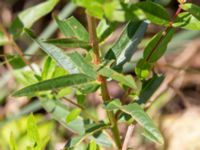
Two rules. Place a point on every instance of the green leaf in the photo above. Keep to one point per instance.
(54, 83)
(59, 112)
(89, 87)
(82, 65)
(114, 104)
(143, 119)
(124, 48)
(192, 9)
(148, 88)
(143, 68)
(73, 115)
(29, 16)
(3, 39)
(158, 45)
(187, 21)
(12, 142)
(16, 61)
(125, 80)
(93, 146)
(74, 62)
(94, 7)
(32, 129)
(48, 68)
(154, 12)
(71, 27)
(69, 43)
(105, 28)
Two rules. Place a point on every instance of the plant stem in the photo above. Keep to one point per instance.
(104, 89)
(15, 46)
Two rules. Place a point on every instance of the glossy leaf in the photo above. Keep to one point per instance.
(187, 21)
(125, 47)
(158, 45)
(154, 12)
(71, 27)
(148, 88)
(192, 9)
(125, 80)
(54, 83)
(69, 43)
(73, 115)
(29, 16)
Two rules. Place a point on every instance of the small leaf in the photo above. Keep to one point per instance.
(48, 68)
(69, 43)
(73, 115)
(54, 83)
(143, 68)
(125, 47)
(148, 88)
(157, 46)
(93, 146)
(187, 21)
(154, 12)
(32, 129)
(71, 27)
(15, 61)
(125, 80)
(12, 142)
(192, 9)
(29, 16)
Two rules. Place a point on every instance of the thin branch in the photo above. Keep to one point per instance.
(128, 136)
(15, 46)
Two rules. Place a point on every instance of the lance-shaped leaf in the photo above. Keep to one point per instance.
(192, 9)
(74, 62)
(58, 111)
(29, 16)
(54, 83)
(143, 119)
(71, 27)
(3, 39)
(69, 43)
(138, 114)
(73, 115)
(125, 80)
(158, 45)
(154, 12)
(148, 88)
(187, 21)
(125, 47)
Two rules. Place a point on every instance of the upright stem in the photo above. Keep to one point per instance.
(104, 89)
